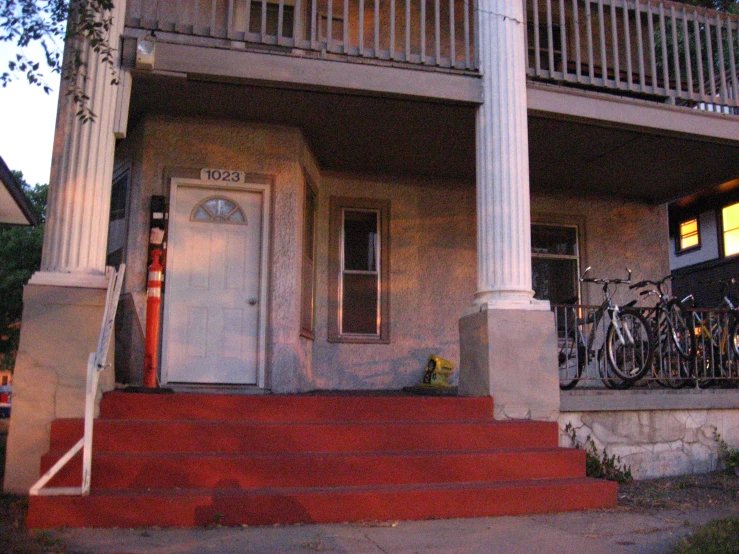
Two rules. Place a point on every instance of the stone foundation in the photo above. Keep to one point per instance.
(61, 326)
(657, 443)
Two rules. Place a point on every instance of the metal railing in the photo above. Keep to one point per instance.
(96, 362)
(663, 50)
(715, 362)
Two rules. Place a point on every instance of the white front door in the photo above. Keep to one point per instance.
(214, 285)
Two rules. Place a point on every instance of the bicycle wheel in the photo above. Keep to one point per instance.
(570, 361)
(671, 368)
(609, 377)
(734, 336)
(682, 332)
(675, 372)
(629, 346)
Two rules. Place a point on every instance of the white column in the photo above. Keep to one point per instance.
(503, 217)
(76, 235)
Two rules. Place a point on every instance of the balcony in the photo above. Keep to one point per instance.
(660, 51)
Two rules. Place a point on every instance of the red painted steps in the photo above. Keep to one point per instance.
(177, 508)
(296, 408)
(118, 471)
(192, 459)
(244, 437)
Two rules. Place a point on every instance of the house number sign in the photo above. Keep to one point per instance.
(223, 175)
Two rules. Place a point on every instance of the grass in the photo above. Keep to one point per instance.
(14, 537)
(720, 536)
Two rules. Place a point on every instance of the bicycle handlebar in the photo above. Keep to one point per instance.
(604, 281)
(647, 282)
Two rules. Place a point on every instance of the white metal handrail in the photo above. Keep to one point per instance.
(96, 362)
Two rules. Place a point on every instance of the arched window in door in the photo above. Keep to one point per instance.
(217, 209)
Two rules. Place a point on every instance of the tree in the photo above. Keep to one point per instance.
(730, 6)
(52, 24)
(20, 257)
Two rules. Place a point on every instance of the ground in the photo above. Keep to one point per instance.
(651, 517)
(718, 489)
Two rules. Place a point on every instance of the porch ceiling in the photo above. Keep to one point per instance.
(400, 136)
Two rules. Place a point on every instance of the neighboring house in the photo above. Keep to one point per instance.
(15, 207)
(351, 189)
(704, 243)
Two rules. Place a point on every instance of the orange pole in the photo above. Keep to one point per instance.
(153, 316)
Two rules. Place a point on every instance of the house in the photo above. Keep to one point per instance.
(14, 206)
(702, 244)
(353, 187)
(15, 209)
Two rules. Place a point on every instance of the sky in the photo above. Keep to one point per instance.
(27, 117)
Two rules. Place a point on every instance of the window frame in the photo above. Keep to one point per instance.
(724, 231)
(679, 236)
(338, 205)
(577, 257)
(308, 279)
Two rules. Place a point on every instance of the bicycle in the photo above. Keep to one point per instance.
(619, 336)
(674, 336)
(718, 344)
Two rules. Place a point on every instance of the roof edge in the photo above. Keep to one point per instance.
(16, 192)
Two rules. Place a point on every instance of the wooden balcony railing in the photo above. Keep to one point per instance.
(677, 52)
(428, 32)
(653, 49)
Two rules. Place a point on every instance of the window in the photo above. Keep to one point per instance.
(359, 305)
(730, 222)
(118, 223)
(118, 197)
(689, 235)
(554, 263)
(308, 270)
(218, 210)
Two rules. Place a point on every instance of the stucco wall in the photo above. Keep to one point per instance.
(432, 280)
(433, 268)
(615, 234)
(179, 147)
(432, 246)
(656, 443)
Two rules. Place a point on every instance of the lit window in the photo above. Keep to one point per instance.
(359, 307)
(689, 236)
(730, 219)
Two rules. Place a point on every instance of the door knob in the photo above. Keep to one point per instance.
(252, 301)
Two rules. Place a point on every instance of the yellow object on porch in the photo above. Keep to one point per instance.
(438, 373)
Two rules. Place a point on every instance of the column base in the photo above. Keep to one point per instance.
(60, 328)
(511, 354)
(77, 279)
(506, 300)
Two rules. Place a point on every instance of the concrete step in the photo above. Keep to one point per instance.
(246, 437)
(294, 408)
(121, 471)
(197, 507)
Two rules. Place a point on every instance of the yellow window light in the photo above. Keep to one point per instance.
(730, 218)
(689, 234)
